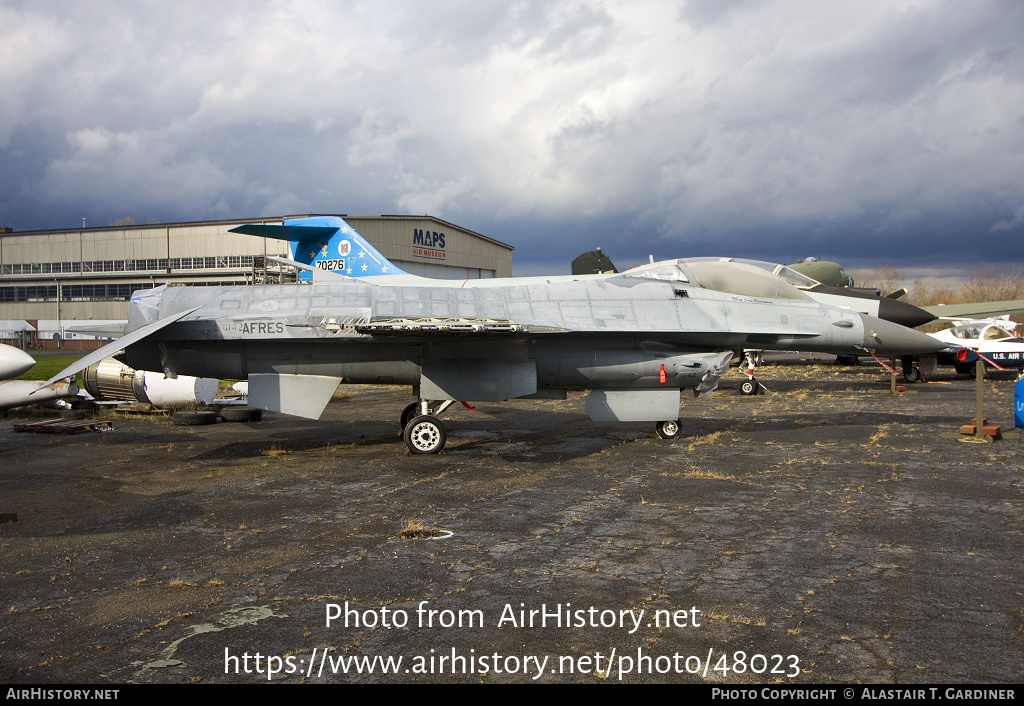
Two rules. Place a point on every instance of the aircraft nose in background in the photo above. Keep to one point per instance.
(14, 362)
(903, 313)
(892, 339)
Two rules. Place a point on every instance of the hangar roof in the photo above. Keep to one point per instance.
(6, 233)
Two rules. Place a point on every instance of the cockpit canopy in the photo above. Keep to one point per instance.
(733, 277)
(795, 278)
(980, 332)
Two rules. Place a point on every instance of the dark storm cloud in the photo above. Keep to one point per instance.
(868, 131)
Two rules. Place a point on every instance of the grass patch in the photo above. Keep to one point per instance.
(414, 529)
(706, 439)
(711, 475)
(47, 366)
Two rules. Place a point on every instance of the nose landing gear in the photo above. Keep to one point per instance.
(750, 386)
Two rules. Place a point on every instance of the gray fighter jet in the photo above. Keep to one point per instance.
(635, 340)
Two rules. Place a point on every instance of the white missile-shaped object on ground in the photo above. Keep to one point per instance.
(14, 362)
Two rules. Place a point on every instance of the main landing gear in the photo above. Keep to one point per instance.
(669, 429)
(424, 432)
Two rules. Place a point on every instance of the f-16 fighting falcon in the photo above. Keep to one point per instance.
(634, 339)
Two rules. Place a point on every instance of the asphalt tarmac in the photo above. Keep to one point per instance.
(823, 532)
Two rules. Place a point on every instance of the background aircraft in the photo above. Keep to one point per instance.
(594, 262)
(14, 362)
(976, 310)
(20, 393)
(830, 274)
(993, 340)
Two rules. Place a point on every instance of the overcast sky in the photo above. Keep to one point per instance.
(866, 132)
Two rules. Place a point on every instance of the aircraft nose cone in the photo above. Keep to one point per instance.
(893, 339)
(903, 313)
(14, 362)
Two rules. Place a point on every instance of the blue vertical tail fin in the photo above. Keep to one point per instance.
(327, 243)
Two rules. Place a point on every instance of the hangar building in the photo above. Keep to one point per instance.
(88, 274)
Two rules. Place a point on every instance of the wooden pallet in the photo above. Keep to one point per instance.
(63, 426)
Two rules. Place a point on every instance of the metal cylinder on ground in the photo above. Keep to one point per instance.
(111, 379)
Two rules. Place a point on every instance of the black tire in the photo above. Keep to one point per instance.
(669, 429)
(967, 369)
(241, 414)
(912, 375)
(89, 405)
(407, 414)
(188, 418)
(749, 387)
(425, 435)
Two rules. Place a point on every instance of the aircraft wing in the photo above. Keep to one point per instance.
(99, 330)
(112, 348)
(979, 310)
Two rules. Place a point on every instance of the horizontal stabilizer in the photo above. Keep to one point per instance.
(318, 274)
(291, 263)
(291, 233)
(111, 348)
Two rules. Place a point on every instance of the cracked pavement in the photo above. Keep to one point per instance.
(825, 520)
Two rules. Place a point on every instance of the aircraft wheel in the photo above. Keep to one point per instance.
(241, 414)
(188, 418)
(972, 370)
(424, 435)
(407, 414)
(669, 429)
(912, 375)
(749, 387)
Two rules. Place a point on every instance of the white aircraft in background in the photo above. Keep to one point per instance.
(19, 393)
(993, 340)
